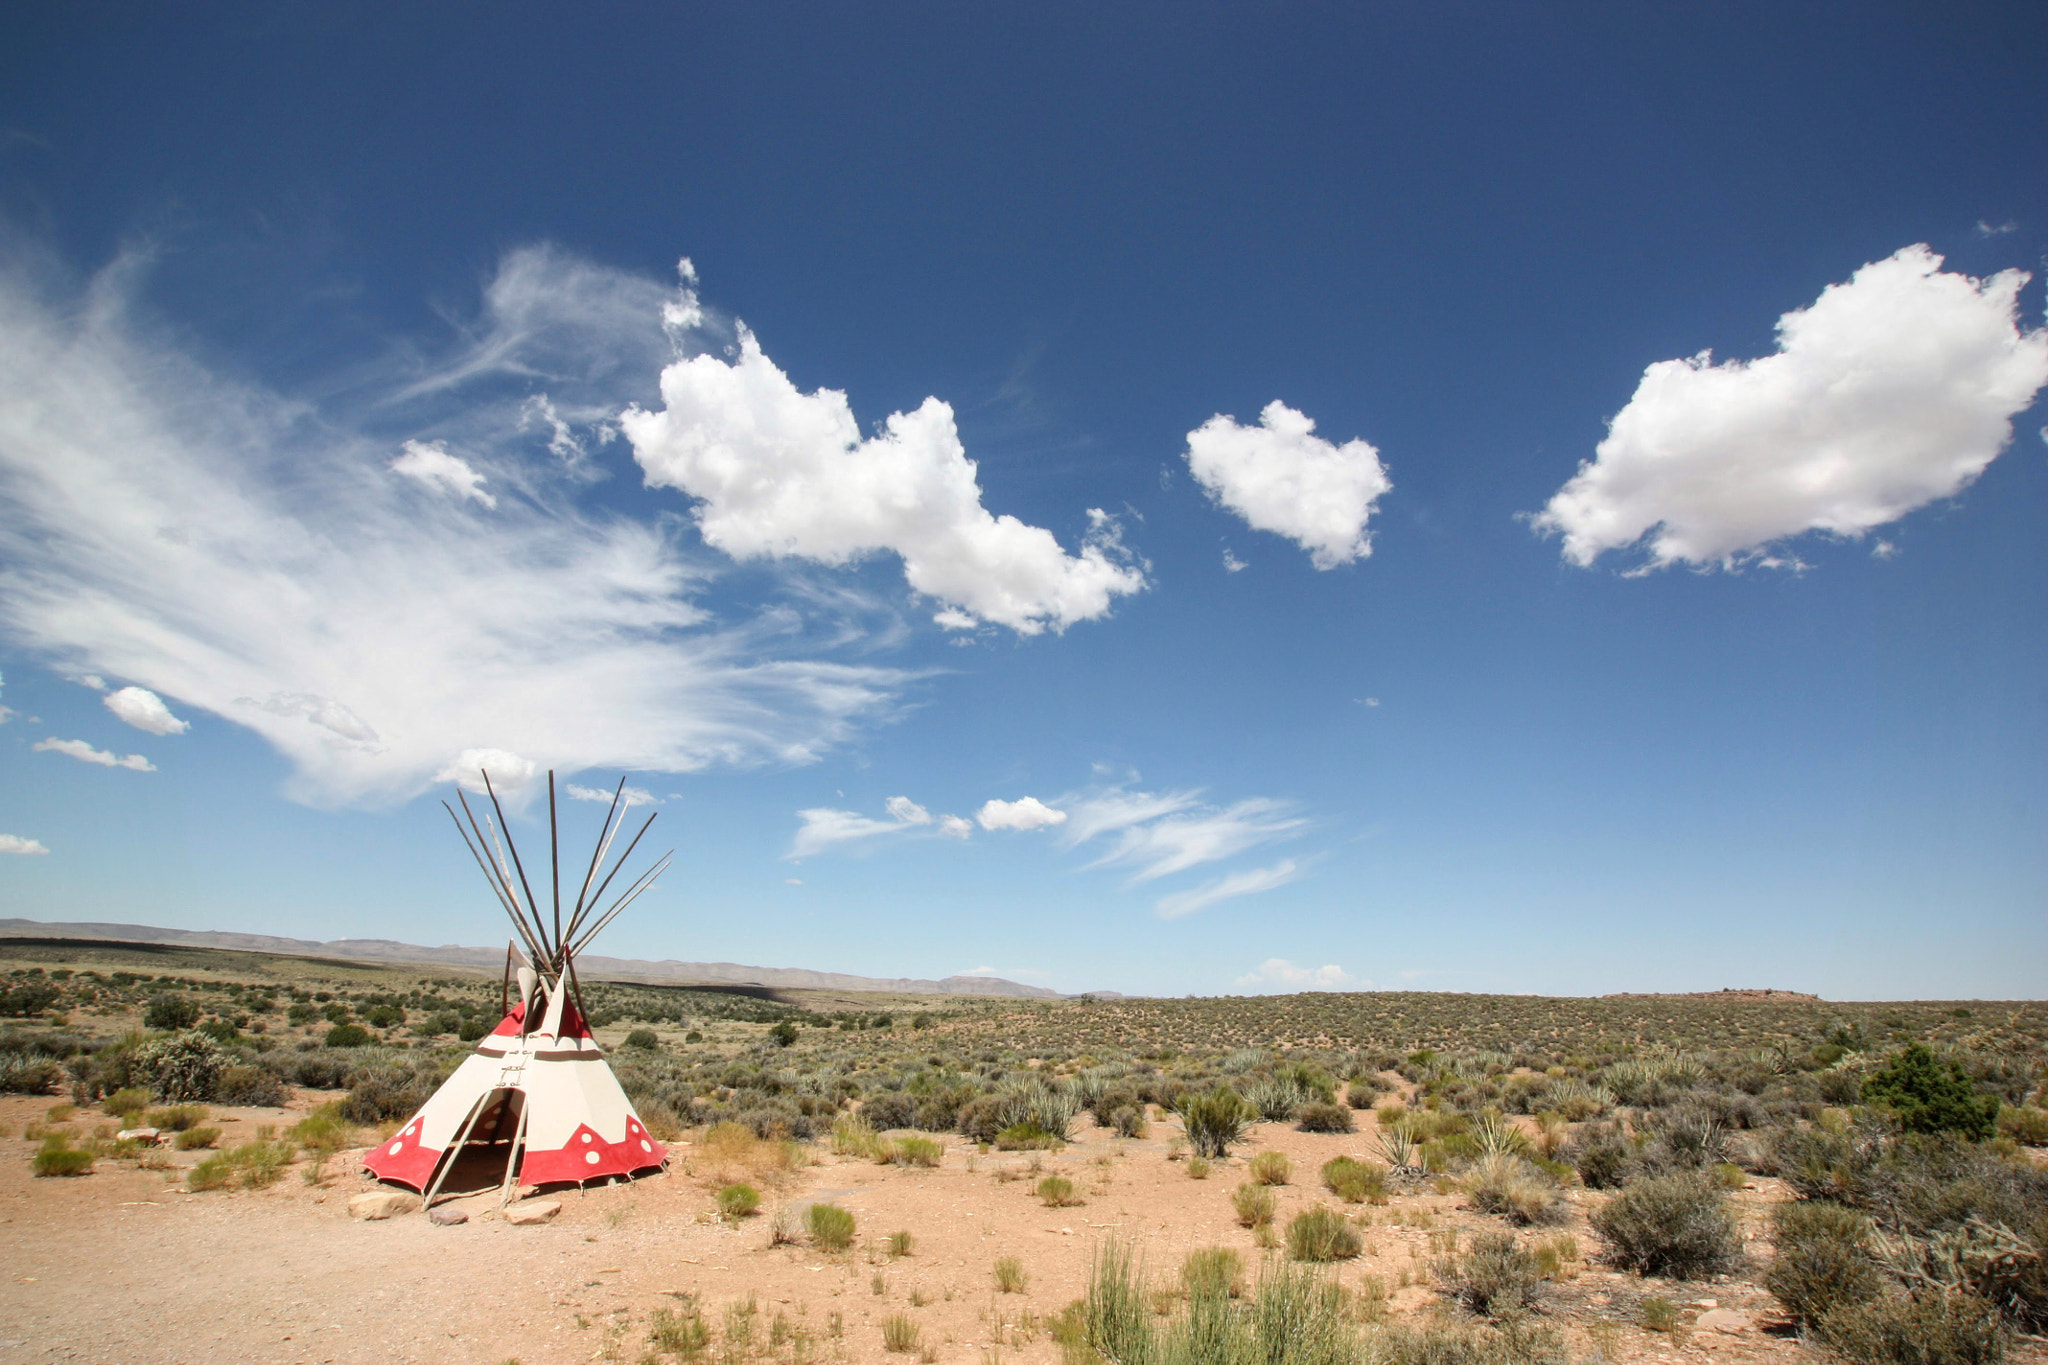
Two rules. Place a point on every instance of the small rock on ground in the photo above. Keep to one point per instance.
(446, 1217)
(523, 1215)
(382, 1204)
(1724, 1320)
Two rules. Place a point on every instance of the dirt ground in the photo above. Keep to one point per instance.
(124, 1266)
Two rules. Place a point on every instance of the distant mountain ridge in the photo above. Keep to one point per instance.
(666, 972)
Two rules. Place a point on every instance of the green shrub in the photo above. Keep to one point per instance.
(1675, 1225)
(1928, 1096)
(1271, 1168)
(349, 1035)
(1926, 1327)
(1116, 1318)
(644, 1039)
(1128, 1120)
(251, 1085)
(1602, 1158)
(1010, 1276)
(1323, 1118)
(683, 1334)
(1057, 1192)
(170, 1013)
(29, 1073)
(1511, 1187)
(324, 1131)
(1198, 1168)
(196, 1139)
(59, 1158)
(899, 1333)
(176, 1118)
(1254, 1205)
(919, 1151)
(1495, 1278)
(831, 1227)
(1657, 1314)
(2026, 1125)
(473, 1029)
(126, 1101)
(1355, 1182)
(1322, 1234)
(900, 1242)
(737, 1201)
(783, 1034)
(1823, 1260)
(1214, 1121)
(183, 1068)
(213, 1173)
(1212, 1272)
(1025, 1137)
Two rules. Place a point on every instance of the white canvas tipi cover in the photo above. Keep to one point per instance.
(578, 1123)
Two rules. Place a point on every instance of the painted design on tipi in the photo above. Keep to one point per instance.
(538, 1085)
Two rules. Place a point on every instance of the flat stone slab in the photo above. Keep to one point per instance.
(1726, 1321)
(532, 1212)
(148, 1135)
(381, 1204)
(446, 1217)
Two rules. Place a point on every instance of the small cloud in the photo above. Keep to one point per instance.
(92, 680)
(509, 772)
(953, 827)
(1367, 701)
(429, 464)
(1985, 229)
(1884, 549)
(952, 618)
(792, 881)
(145, 710)
(1282, 477)
(1025, 813)
(85, 753)
(628, 798)
(1231, 563)
(325, 712)
(1279, 973)
(14, 843)
(1223, 888)
(905, 811)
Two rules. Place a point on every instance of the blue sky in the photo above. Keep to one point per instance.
(1637, 586)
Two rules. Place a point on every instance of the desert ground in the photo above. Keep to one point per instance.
(967, 1260)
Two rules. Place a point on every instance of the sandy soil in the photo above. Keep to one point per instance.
(124, 1266)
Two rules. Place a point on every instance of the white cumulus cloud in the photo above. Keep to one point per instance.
(145, 710)
(1246, 883)
(779, 473)
(1889, 392)
(1026, 813)
(822, 827)
(629, 797)
(1282, 477)
(955, 827)
(85, 753)
(230, 546)
(429, 464)
(1277, 973)
(14, 843)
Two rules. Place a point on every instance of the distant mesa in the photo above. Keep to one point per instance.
(666, 972)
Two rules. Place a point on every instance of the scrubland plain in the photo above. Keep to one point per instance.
(1384, 1178)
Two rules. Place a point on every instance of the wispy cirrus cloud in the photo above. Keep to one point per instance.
(629, 797)
(1157, 834)
(1248, 883)
(237, 551)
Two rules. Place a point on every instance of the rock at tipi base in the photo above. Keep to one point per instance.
(525, 1215)
(446, 1216)
(381, 1204)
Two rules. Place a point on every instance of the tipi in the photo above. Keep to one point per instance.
(537, 1091)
